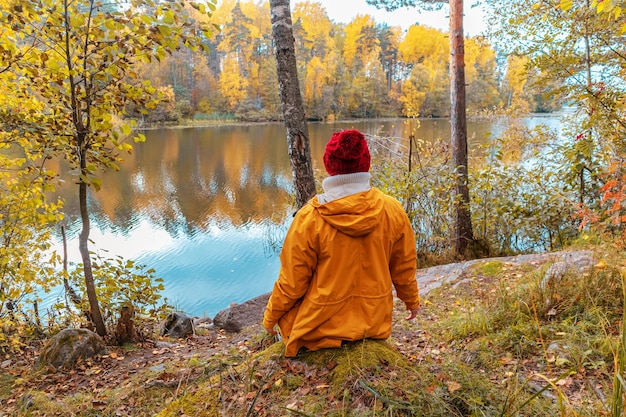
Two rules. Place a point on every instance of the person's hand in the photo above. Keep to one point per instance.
(412, 314)
(271, 331)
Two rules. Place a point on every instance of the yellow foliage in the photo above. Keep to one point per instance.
(426, 45)
(357, 42)
(411, 99)
(316, 25)
(232, 84)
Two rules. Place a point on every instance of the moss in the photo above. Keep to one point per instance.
(354, 358)
(362, 361)
(203, 402)
(6, 382)
(39, 403)
(490, 268)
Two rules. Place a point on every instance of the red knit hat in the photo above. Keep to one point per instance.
(346, 153)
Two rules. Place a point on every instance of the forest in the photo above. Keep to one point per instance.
(80, 79)
(362, 69)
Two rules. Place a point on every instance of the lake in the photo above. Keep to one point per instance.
(208, 207)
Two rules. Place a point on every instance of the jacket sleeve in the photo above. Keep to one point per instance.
(298, 260)
(403, 266)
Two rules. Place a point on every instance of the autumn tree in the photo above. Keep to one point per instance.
(317, 54)
(573, 55)
(425, 52)
(389, 40)
(361, 54)
(76, 62)
(482, 87)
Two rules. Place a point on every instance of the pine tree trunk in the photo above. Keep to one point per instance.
(291, 100)
(463, 235)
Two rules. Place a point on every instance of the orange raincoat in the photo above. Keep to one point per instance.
(338, 264)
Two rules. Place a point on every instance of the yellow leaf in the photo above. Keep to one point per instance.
(601, 264)
(566, 4)
(96, 183)
(113, 70)
(278, 382)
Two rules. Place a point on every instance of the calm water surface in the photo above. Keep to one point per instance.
(208, 207)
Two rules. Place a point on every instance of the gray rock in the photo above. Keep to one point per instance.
(177, 325)
(157, 368)
(239, 316)
(555, 273)
(69, 346)
(203, 322)
(433, 277)
(570, 263)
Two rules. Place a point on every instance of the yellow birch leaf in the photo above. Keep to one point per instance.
(566, 4)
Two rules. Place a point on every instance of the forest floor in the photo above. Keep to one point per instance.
(457, 358)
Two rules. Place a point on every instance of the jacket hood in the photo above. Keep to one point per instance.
(354, 215)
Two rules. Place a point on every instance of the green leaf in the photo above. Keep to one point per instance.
(96, 183)
(165, 30)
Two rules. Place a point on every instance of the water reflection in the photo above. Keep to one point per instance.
(201, 205)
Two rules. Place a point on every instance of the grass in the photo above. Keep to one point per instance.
(500, 343)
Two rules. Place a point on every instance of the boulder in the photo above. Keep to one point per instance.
(570, 263)
(68, 347)
(177, 325)
(239, 316)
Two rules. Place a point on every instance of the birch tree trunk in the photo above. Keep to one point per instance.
(83, 242)
(463, 234)
(291, 100)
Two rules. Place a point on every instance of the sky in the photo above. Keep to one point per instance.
(343, 11)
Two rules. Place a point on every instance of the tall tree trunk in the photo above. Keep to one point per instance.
(83, 241)
(463, 234)
(291, 100)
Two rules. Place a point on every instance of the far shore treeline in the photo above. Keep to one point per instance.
(362, 69)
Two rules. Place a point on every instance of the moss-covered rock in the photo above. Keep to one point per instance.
(68, 347)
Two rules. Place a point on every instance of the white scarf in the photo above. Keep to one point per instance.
(343, 185)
